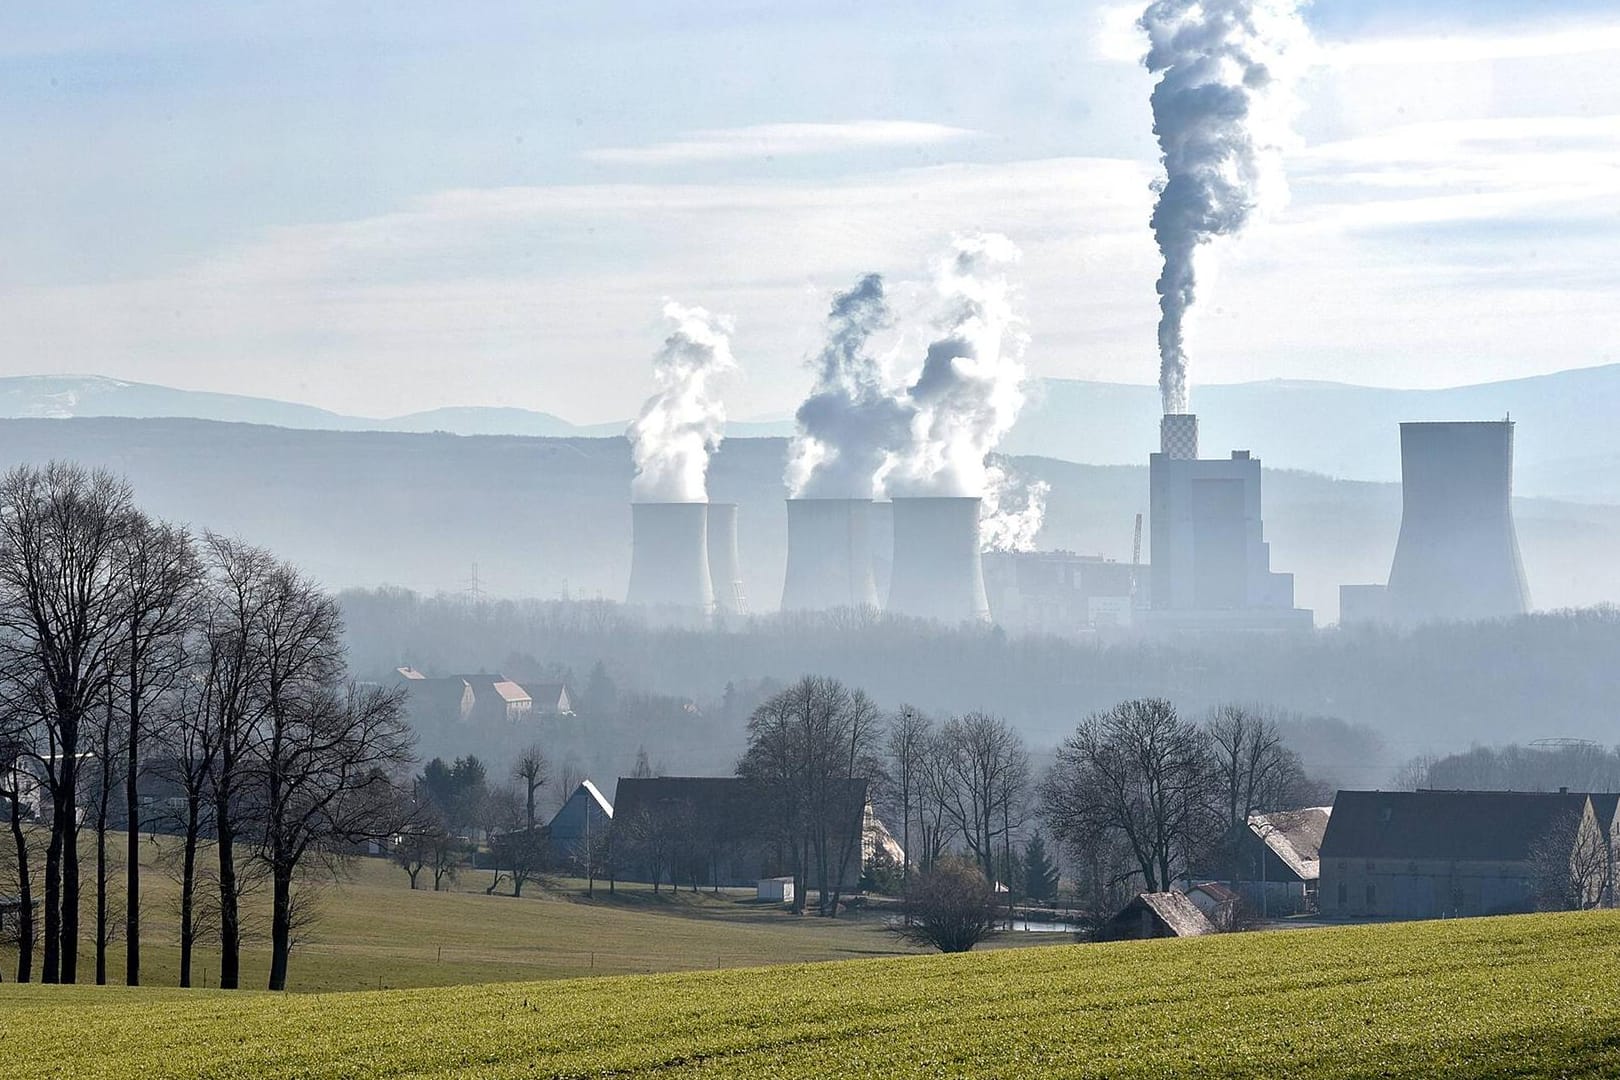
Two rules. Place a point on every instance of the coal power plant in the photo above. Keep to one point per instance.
(1457, 556)
(669, 560)
(829, 557)
(937, 572)
(725, 569)
(1210, 562)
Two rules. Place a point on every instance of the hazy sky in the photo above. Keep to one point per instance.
(385, 207)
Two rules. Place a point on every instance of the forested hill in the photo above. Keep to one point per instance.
(544, 517)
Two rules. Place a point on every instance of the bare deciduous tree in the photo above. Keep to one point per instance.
(531, 770)
(986, 774)
(950, 907)
(910, 733)
(1570, 865)
(60, 613)
(1142, 773)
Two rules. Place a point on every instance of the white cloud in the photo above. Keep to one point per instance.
(781, 140)
(1511, 43)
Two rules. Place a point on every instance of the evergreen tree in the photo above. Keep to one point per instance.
(1040, 873)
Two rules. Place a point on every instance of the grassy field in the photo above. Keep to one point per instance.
(374, 932)
(1522, 996)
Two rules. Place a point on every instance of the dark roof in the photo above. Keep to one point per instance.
(1470, 825)
(744, 804)
(1605, 804)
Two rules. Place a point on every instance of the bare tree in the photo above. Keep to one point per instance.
(986, 773)
(158, 573)
(499, 811)
(908, 739)
(1570, 864)
(531, 770)
(190, 744)
(106, 734)
(329, 765)
(60, 612)
(13, 732)
(813, 747)
(1138, 771)
(935, 828)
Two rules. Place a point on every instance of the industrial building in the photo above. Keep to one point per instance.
(1058, 592)
(1457, 556)
(684, 567)
(829, 558)
(937, 571)
(1211, 564)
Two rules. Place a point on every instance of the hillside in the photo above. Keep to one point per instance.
(1336, 429)
(1529, 996)
(541, 517)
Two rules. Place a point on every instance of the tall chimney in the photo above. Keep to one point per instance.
(669, 559)
(725, 570)
(1178, 436)
(1458, 552)
(829, 560)
(937, 570)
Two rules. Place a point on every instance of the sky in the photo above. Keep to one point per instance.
(380, 208)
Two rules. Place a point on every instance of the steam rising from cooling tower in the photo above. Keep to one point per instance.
(1013, 510)
(1220, 112)
(851, 421)
(970, 389)
(683, 422)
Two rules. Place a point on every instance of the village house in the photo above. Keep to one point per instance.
(584, 819)
(1435, 854)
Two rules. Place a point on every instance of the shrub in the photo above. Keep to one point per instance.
(949, 907)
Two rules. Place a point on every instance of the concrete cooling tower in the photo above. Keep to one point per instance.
(1458, 552)
(669, 559)
(725, 570)
(829, 559)
(937, 570)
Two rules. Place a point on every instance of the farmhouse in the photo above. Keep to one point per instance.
(584, 817)
(1278, 860)
(726, 831)
(1430, 854)
(1218, 903)
(1156, 915)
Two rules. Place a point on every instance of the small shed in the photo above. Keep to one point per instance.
(775, 890)
(1156, 915)
(1217, 902)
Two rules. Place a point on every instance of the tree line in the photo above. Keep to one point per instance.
(137, 656)
(1136, 796)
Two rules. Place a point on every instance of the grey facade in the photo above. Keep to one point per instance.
(829, 558)
(1438, 854)
(937, 571)
(669, 562)
(1210, 562)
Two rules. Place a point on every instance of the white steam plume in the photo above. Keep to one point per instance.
(682, 423)
(1220, 111)
(971, 386)
(851, 421)
(1013, 510)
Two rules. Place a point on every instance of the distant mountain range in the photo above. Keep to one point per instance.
(1566, 448)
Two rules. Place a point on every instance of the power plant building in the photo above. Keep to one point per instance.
(829, 558)
(1458, 552)
(1210, 562)
(669, 562)
(1058, 592)
(937, 571)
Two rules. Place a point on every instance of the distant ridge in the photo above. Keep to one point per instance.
(1565, 446)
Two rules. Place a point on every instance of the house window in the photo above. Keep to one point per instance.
(1344, 894)
(1372, 897)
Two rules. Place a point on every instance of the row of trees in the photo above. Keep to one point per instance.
(134, 655)
(1138, 794)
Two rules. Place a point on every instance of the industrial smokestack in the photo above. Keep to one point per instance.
(829, 561)
(937, 571)
(669, 559)
(1178, 436)
(1458, 552)
(725, 569)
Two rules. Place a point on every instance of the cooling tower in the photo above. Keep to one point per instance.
(725, 570)
(829, 560)
(669, 557)
(1458, 553)
(937, 571)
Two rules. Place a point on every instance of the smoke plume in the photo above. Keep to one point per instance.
(1220, 112)
(970, 389)
(852, 420)
(1013, 510)
(682, 423)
